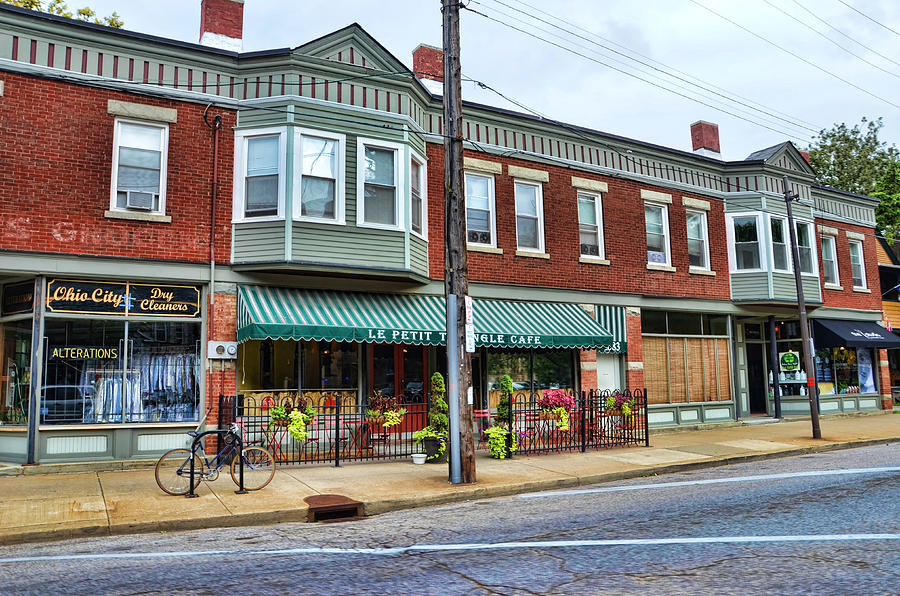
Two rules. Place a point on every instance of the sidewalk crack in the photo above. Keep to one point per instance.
(105, 504)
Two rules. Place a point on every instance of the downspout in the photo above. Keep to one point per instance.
(215, 126)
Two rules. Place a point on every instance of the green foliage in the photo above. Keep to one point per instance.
(429, 433)
(503, 406)
(496, 440)
(278, 413)
(887, 213)
(300, 419)
(852, 159)
(386, 406)
(58, 7)
(437, 414)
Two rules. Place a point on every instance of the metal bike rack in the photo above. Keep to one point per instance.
(240, 454)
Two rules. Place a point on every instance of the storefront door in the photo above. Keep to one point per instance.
(756, 378)
(400, 369)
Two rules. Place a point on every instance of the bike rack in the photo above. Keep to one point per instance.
(240, 454)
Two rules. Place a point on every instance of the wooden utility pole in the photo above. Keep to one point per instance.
(456, 265)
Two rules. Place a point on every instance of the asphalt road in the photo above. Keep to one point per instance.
(817, 524)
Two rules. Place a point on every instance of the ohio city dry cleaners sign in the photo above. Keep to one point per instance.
(155, 300)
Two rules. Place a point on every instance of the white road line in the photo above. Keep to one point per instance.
(612, 489)
(460, 547)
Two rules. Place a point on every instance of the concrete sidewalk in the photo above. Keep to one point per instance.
(56, 506)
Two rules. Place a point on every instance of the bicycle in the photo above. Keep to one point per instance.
(173, 470)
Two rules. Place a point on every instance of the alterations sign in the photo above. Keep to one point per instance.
(115, 298)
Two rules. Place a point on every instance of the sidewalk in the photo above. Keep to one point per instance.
(57, 506)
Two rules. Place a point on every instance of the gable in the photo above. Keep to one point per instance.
(786, 157)
(352, 45)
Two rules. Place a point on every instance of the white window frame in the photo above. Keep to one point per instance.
(705, 229)
(492, 214)
(241, 139)
(400, 157)
(598, 215)
(814, 262)
(423, 193)
(862, 265)
(539, 193)
(163, 166)
(762, 253)
(788, 250)
(340, 173)
(837, 277)
(667, 234)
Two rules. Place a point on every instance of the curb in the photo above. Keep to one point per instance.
(398, 504)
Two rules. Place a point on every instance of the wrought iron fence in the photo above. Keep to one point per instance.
(340, 430)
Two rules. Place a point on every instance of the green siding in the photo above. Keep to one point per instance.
(749, 286)
(347, 246)
(418, 255)
(262, 241)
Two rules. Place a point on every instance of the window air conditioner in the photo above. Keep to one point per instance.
(135, 199)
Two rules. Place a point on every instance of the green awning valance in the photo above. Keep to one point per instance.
(282, 313)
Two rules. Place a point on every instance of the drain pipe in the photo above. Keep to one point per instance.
(215, 126)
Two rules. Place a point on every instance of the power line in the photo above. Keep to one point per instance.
(727, 96)
(795, 55)
(880, 24)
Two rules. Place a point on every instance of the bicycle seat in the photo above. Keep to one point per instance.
(192, 433)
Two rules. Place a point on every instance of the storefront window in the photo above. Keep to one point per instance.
(530, 370)
(162, 372)
(845, 370)
(15, 368)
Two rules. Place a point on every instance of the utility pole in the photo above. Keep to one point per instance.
(811, 389)
(456, 265)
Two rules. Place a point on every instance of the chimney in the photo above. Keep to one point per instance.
(705, 138)
(222, 24)
(428, 63)
(805, 155)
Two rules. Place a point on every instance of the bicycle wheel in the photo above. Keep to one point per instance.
(259, 468)
(173, 471)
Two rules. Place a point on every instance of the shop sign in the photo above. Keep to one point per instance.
(136, 299)
(790, 361)
(84, 353)
(405, 335)
(18, 298)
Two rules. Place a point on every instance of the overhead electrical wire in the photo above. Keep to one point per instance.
(879, 23)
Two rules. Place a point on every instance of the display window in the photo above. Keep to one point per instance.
(841, 371)
(15, 372)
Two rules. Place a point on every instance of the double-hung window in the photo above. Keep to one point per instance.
(746, 243)
(259, 167)
(139, 166)
(829, 261)
(480, 222)
(656, 219)
(319, 160)
(780, 260)
(377, 180)
(698, 241)
(590, 224)
(857, 267)
(806, 247)
(418, 197)
(529, 217)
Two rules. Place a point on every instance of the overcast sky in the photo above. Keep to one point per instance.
(586, 89)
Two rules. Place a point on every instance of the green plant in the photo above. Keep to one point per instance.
(278, 413)
(503, 406)
(438, 422)
(496, 440)
(299, 421)
(620, 401)
(429, 433)
(381, 405)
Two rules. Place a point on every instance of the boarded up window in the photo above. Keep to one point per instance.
(682, 369)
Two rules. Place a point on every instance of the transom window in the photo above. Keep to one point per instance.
(746, 243)
(856, 264)
(139, 166)
(321, 169)
(656, 219)
(379, 172)
(779, 244)
(698, 243)
(262, 179)
(480, 209)
(829, 261)
(529, 217)
(590, 225)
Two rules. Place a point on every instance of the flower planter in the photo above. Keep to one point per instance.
(375, 420)
(546, 415)
(281, 421)
(432, 446)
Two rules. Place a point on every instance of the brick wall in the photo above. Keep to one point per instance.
(624, 235)
(847, 298)
(57, 160)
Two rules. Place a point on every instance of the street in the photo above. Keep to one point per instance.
(816, 524)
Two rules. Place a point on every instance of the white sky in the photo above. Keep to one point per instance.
(558, 84)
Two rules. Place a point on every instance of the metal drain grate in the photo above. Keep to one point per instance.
(332, 508)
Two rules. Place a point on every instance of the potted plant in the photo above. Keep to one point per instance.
(434, 436)
(619, 404)
(556, 404)
(278, 416)
(501, 442)
(384, 410)
(300, 418)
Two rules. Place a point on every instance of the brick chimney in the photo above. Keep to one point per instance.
(222, 24)
(705, 138)
(428, 63)
(805, 155)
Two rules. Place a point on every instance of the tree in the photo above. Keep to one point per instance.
(58, 7)
(852, 159)
(887, 213)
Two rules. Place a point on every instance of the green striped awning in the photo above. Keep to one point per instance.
(281, 313)
(612, 318)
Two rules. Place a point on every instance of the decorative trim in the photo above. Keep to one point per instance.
(1, 88)
(827, 230)
(695, 203)
(487, 249)
(855, 235)
(635, 366)
(532, 255)
(658, 267)
(833, 287)
(698, 271)
(632, 311)
(482, 165)
(588, 184)
(862, 290)
(141, 111)
(137, 216)
(593, 260)
(528, 173)
(657, 197)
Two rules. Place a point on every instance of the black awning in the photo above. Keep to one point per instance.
(833, 333)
